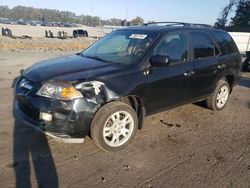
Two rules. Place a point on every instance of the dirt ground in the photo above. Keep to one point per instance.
(189, 146)
(45, 44)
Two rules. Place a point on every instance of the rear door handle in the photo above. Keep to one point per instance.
(220, 67)
(189, 73)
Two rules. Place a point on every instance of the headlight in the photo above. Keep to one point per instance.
(59, 90)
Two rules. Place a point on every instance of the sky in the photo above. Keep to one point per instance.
(195, 11)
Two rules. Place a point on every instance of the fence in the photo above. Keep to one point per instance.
(242, 40)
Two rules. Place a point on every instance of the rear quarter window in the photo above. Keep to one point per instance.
(225, 42)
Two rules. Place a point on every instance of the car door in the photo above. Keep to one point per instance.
(206, 61)
(169, 85)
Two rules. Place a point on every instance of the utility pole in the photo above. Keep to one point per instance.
(91, 15)
(126, 21)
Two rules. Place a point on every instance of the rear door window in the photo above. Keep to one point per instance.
(203, 45)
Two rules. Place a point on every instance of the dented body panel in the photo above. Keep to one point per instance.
(99, 84)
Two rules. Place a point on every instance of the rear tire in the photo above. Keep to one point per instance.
(219, 98)
(114, 126)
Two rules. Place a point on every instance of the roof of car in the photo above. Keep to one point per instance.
(175, 26)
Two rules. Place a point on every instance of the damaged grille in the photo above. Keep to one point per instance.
(26, 85)
(27, 107)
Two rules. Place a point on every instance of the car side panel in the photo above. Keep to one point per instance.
(206, 72)
(168, 87)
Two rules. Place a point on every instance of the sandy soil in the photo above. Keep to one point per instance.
(45, 43)
(189, 146)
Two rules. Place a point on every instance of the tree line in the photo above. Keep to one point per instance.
(52, 15)
(241, 19)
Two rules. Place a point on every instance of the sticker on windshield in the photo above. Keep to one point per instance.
(138, 36)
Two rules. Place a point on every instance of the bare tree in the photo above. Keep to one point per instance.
(241, 20)
(222, 20)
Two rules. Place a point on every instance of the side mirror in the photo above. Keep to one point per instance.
(159, 61)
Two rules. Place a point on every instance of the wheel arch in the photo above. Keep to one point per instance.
(230, 79)
(138, 105)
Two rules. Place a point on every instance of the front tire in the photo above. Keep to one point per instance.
(219, 98)
(114, 126)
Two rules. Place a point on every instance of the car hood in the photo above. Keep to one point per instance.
(69, 68)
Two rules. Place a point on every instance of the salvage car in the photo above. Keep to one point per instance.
(80, 33)
(107, 90)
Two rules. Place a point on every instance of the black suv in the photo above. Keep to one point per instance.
(108, 89)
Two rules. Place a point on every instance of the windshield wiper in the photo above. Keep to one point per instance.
(96, 58)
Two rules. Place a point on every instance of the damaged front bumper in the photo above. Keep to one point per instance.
(38, 126)
(69, 120)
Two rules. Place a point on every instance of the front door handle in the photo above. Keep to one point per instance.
(220, 67)
(147, 71)
(189, 73)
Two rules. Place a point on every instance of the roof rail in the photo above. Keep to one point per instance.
(183, 24)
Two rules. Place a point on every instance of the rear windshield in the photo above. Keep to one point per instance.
(225, 42)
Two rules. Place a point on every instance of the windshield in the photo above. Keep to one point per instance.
(124, 47)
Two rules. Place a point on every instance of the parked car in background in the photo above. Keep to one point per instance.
(80, 33)
(108, 89)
